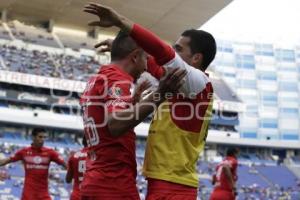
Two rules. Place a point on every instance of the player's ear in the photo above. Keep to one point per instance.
(134, 55)
(197, 59)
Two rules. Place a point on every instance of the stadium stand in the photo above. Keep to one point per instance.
(33, 35)
(46, 64)
(76, 42)
(4, 34)
(274, 174)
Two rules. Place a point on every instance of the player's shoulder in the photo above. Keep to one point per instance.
(107, 75)
(207, 79)
(80, 154)
(113, 73)
(48, 150)
(231, 161)
(24, 149)
(234, 161)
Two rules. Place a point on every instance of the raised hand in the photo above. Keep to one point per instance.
(172, 81)
(140, 89)
(108, 17)
(104, 46)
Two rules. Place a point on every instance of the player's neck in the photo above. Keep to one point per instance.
(36, 146)
(124, 66)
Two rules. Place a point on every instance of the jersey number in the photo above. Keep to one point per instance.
(81, 166)
(91, 130)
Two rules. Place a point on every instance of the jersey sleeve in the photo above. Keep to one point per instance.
(154, 69)
(55, 157)
(154, 46)
(195, 80)
(164, 54)
(17, 156)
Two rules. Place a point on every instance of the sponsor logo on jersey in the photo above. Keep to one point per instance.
(37, 159)
(115, 92)
(29, 166)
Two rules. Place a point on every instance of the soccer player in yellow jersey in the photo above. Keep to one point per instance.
(179, 128)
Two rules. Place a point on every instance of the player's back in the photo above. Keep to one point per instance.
(222, 181)
(111, 165)
(77, 163)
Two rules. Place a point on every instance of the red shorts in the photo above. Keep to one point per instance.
(75, 196)
(164, 190)
(222, 195)
(110, 198)
(34, 197)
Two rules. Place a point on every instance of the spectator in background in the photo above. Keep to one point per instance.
(36, 159)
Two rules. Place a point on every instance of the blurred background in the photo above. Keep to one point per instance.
(47, 54)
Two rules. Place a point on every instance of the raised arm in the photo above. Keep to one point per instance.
(153, 68)
(163, 54)
(58, 159)
(69, 175)
(14, 158)
(161, 51)
(5, 161)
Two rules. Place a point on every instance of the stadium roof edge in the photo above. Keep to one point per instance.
(155, 15)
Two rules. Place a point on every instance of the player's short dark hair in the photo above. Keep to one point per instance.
(84, 142)
(202, 42)
(232, 151)
(36, 131)
(122, 46)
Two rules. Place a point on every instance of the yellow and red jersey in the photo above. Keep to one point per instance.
(173, 146)
(179, 127)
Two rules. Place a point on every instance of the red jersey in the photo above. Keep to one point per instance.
(76, 165)
(36, 164)
(111, 163)
(222, 181)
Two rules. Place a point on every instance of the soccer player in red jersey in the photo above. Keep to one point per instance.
(36, 160)
(226, 176)
(178, 131)
(109, 116)
(76, 169)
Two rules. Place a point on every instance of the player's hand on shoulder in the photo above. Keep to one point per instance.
(172, 81)
(140, 90)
